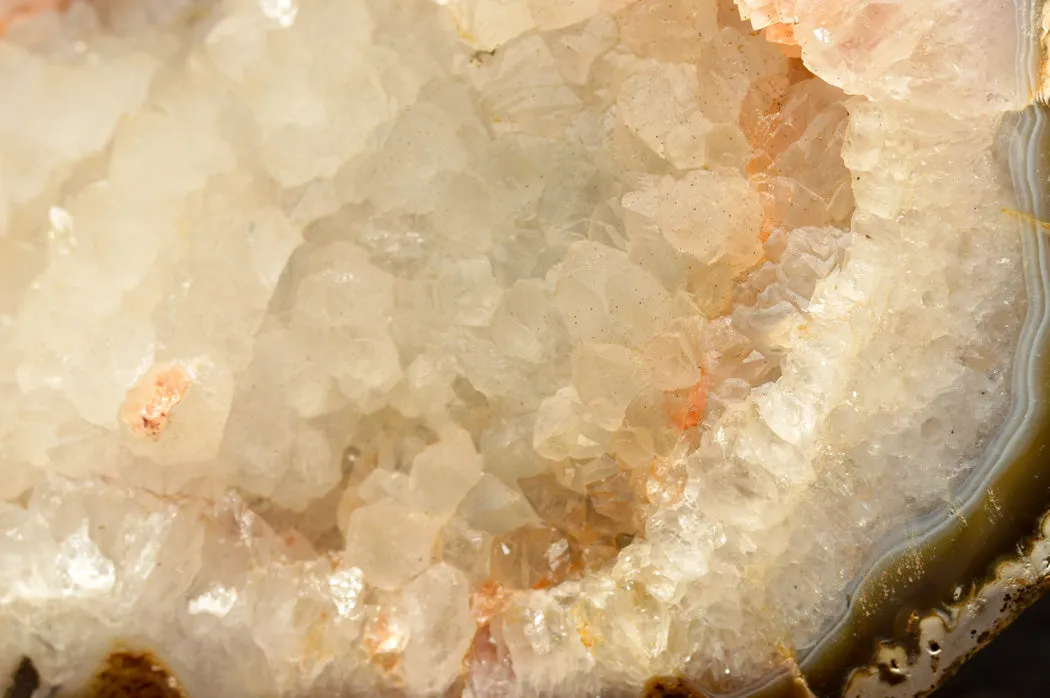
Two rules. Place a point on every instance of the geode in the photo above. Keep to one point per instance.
(500, 348)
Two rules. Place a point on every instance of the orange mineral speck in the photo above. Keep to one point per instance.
(148, 406)
(588, 636)
(783, 35)
(489, 600)
(383, 641)
(685, 408)
(28, 9)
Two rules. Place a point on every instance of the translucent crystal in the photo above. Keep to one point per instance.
(441, 628)
(444, 472)
(493, 507)
(390, 542)
(711, 216)
(531, 557)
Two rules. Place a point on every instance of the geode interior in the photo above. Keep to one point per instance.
(492, 347)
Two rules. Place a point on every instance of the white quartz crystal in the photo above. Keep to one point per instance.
(390, 542)
(509, 347)
(441, 629)
(443, 473)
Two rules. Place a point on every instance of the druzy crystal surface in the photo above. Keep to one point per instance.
(487, 347)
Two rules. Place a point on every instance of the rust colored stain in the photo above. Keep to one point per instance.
(764, 125)
(685, 408)
(490, 599)
(783, 35)
(147, 409)
(128, 674)
(28, 9)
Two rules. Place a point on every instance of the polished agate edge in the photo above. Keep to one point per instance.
(947, 638)
(936, 642)
(943, 639)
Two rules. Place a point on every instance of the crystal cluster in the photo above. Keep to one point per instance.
(507, 347)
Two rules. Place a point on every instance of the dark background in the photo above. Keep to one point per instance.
(1014, 665)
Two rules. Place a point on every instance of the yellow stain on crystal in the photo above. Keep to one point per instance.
(1028, 218)
(1044, 68)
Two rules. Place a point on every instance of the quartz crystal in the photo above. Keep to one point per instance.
(487, 347)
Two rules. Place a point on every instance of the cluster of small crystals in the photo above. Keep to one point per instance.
(508, 347)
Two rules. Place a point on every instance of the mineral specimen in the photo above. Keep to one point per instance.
(491, 347)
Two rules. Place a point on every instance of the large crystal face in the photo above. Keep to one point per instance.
(492, 347)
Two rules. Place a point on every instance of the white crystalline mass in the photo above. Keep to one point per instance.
(512, 347)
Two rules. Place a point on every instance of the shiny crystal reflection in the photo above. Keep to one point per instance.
(506, 347)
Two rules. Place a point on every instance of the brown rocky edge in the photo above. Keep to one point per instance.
(790, 684)
(948, 638)
(124, 673)
(133, 674)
